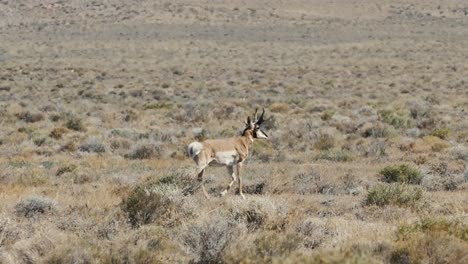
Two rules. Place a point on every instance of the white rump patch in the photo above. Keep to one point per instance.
(194, 149)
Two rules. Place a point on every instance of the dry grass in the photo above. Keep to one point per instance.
(366, 104)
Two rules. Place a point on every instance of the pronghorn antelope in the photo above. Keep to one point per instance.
(227, 152)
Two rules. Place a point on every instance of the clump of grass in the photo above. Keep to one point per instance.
(69, 147)
(92, 145)
(58, 132)
(40, 141)
(314, 231)
(441, 133)
(436, 143)
(378, 131)
(396, 118)
(279, 108)
(394, 194)
(144, 152)
(324, 142)
(208, 240)
(66, 168)
(402, 173)
(266, 247)
(457, 229)
(29, 117)
(262, 213)
(327, 115)
(431, 241)
(340, 155)
(144, 206)
(32, 206)
(76, 124)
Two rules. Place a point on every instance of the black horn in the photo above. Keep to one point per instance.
(261, 119)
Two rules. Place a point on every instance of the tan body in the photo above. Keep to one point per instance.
(227, 152)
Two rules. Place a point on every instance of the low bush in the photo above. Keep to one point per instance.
(395, 194)
(29, 117)
(58, 132)
(261, 213)
(76, 124)
(397, 119)
(441, 133)
(144, 205)
(144, 152)
(208, 240)
(32, 206)
(92, 145)
(401, 173)
(340, 155)
(431, 241)
(324, 142)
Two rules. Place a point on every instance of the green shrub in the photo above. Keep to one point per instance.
(29, 117)
(401, 173)
(144, 206)
(144, 152)
(327, 115)
(76, 124)
(441, 133)
(457, 229)
(431, 241)
(396, 119)
(394, 193)
(336, 155)
(35, 205)
(324, 142)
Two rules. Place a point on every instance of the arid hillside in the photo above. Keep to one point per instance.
(367, 107)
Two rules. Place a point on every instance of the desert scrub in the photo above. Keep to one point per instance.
(159, 201)
(65, 169)
(144, 152)
(324, 142)
(315, 232)
(279, 107)
(208, 240)
(441, 133)
(398, 119)
(76, 124)
(431, 241)
(58, 132)
(327, 115)
(262, 213)
(403, 173)
(40, 141)
(264, 247)
(29, 117)
(341, 155)
(32, 206)
(92, 145)
(144, 206)
(394, 194)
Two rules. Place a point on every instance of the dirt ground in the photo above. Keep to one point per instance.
(368, 121)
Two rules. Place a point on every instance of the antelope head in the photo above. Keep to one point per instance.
(254, 126)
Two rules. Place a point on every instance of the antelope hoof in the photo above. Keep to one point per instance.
(242, 195)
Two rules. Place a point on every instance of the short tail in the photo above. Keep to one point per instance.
(194, 149)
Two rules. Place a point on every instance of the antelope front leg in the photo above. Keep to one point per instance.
(239, 178)
(200, 179)
(233, 176)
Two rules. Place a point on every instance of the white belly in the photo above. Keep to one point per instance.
(225, 158)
